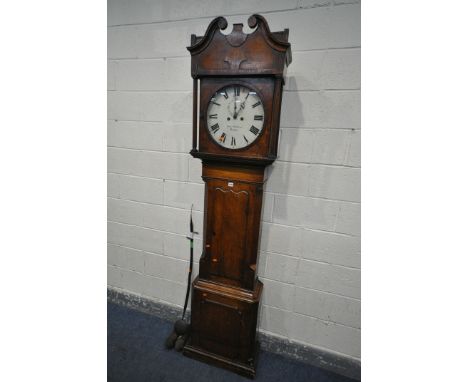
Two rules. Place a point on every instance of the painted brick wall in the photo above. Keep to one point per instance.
(310, 244)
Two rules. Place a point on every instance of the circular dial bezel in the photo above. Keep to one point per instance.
(260, 97)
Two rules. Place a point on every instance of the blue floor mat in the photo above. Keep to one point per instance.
(136, 353)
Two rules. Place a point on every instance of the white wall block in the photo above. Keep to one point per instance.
(267, 207)
(329, 278)
(135, 135)
(150, 106)
(127, 258)
(183, 195)
(318, 70)
(197, 222)
(313, 146)
(309, 255)
(150, 74)
(135, 259)
(178, 246)
(111, 69)
(113, 186)
(353, 157)
(304, 109)
(342, 339)
(126, 106)
(149, 164)
(167, 291)
(276, 321)
(319, 28)
(343, 2)
(306, 72)
(168, 219)
(281, 239)
(135, 281)
(313, 3)
(305, 212)
(135, 237)
(116, 256)
(142, 11)
(135, 188)
(166, 267)
(311, 27)
(315, 28)
(341, 69)
(349, 219)
(195, 170)
(146, 190)
(114, 276)
(122, 161)
(328, 307)
(345, 109)
(159, 217)
(323, 109)
(328, 146)
(345, 26)
(281, 268)
(122, 42)
(277, 294)
(261, 264)
(127, 212)
(288, 178)
(177, 137)
(168, 39)
(340, 183)
(331, 248)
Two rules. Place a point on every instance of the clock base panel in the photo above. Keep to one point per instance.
(245, 369)
(224, 326)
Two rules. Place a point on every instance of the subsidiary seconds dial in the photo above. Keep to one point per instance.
(235, 117)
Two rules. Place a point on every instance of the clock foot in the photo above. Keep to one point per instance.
(224, 326)
(244, 369)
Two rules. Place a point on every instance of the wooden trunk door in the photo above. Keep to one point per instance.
(228, 213)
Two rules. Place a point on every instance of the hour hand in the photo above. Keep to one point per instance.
(242, 105)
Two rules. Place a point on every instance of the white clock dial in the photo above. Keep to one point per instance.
(235, 117)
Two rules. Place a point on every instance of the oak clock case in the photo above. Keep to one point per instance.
(237, 90)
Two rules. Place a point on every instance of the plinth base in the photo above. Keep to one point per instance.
(246, 370)
(224, 326)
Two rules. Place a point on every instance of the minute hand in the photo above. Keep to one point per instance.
(242, 105)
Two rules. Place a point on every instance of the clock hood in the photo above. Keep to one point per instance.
(259, 53)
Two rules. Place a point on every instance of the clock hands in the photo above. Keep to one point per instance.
(235, 105)
(227, 125)
(241, 106)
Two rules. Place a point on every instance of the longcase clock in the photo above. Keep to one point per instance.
(237, 88)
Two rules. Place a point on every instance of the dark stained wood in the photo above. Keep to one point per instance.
(256, 54)
(195, 114)
(224, 325)
(243, 173)
(233, 200)
(227, 292)
(277, 98)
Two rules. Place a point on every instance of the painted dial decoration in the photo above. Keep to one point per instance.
(235, 117)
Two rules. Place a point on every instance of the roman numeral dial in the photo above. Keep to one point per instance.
(235, 117)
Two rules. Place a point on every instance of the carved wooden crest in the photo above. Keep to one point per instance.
(260, 52)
